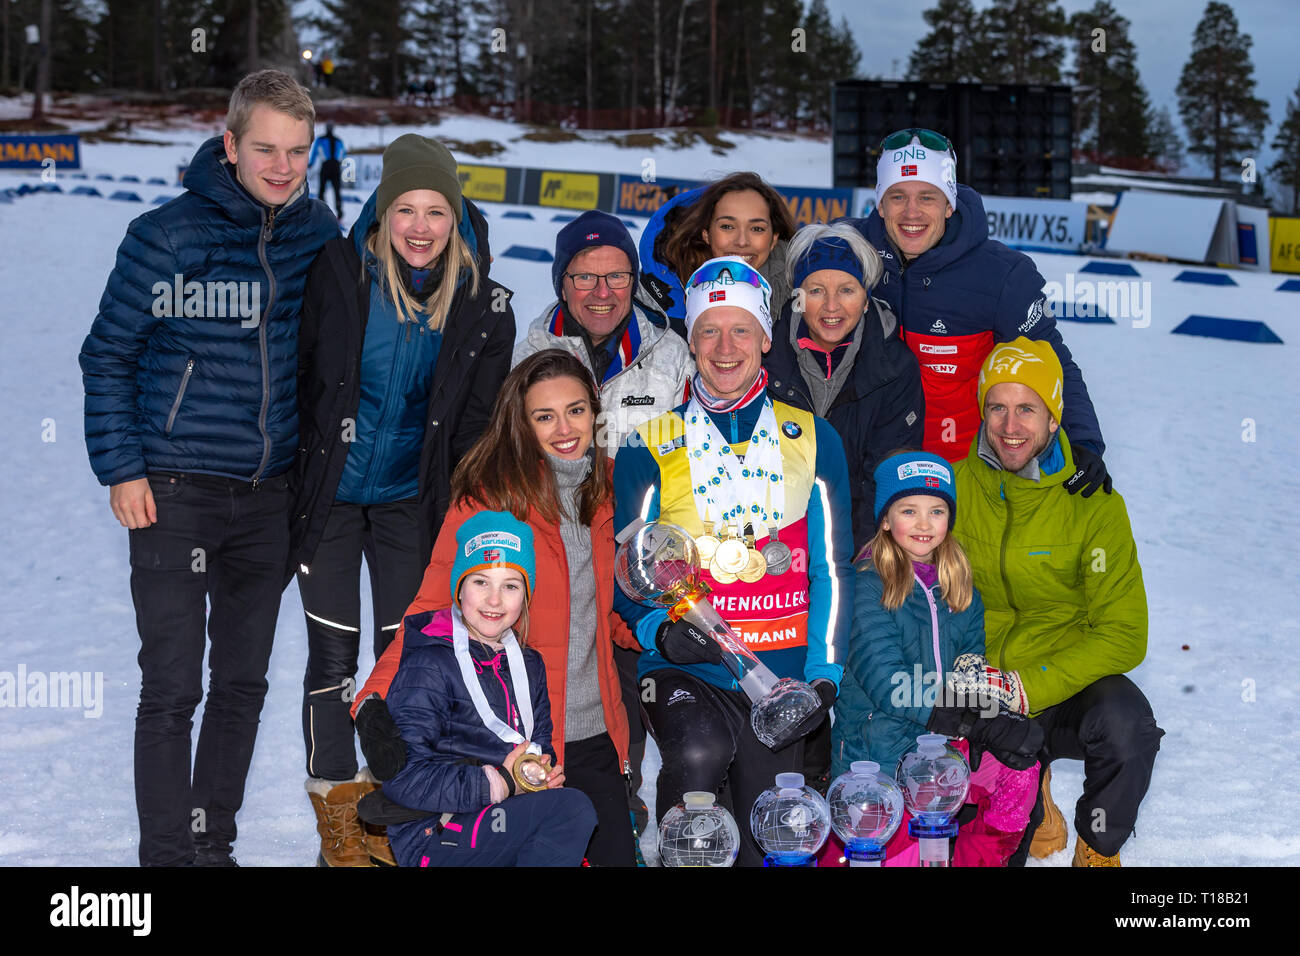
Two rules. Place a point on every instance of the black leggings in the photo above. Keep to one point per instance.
(706, 742)
(388, 535)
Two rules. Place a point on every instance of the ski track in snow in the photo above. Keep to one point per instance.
(1214, 517)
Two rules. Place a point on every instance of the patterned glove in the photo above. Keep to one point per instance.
(972, 675)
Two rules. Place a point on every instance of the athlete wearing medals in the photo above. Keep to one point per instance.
(763, 488)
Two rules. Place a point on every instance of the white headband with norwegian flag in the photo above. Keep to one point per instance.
(702, 296)
(916, 163)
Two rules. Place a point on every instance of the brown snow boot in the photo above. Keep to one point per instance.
(376, 836)
(1050, 837)
(1085, 855)
(342, 841)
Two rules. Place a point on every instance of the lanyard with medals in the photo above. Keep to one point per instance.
(740, 492)
(528, 763)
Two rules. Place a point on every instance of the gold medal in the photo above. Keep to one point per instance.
(722, 577)
(732, 557)
(530, 772)
(707, 544)
(755, 569)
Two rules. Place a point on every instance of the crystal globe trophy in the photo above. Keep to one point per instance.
(866, 808)
(791, 822)
(698, 832)
(934, 779)
(659, 563)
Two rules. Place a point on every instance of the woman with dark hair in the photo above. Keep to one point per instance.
(739, 215)
(538, 459)
(403, 343)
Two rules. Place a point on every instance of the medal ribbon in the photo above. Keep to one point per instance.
(721, 484)
(518, 682)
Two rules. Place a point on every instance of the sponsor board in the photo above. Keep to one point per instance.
(1036, 223)
(32, 151)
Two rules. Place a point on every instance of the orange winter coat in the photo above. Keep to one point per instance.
(548, 616)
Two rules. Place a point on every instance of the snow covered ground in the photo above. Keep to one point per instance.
(1199, 432)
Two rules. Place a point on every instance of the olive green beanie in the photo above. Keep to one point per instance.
(416, 162)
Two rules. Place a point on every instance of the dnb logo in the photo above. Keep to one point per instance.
(909, 152)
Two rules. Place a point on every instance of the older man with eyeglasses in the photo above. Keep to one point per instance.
(641, 367)
(959, 293)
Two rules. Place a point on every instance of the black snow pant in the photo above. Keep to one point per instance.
(215, 556)
(1109, 726)
(591, 766)
(331, 174)
(388, 536)
(707, 744)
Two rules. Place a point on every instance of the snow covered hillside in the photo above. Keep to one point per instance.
(1202, 437)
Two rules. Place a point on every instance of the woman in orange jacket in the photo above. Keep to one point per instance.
(539, 460)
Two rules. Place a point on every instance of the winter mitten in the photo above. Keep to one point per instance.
(827, 692)
(681, 642)
(972, 675)
(1091, 472)
(381, 741)
(1013, 739)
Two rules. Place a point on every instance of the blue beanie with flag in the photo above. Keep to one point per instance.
(493, 539)
(915, 473)
(592, 228)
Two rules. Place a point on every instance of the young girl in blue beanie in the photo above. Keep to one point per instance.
(471, 703)
(918, 636)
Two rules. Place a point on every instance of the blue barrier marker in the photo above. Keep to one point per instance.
(1290, 285)
(126, 196)
(1235, 330)
(5, 197)
(1111, 269)
(531, 253)
(347, 198)
(49, 188)
(159, 200)
(561, 217)
(128, 179)
(516, 214)
(158, 181)
(1098, 315)
(1205, 278)
(85, 191)
(105, 176)
(76, 175)
(631, 225)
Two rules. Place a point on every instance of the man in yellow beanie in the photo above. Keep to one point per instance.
(1065, 609)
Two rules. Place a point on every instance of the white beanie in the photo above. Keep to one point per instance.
(702, 295)
(916, 163)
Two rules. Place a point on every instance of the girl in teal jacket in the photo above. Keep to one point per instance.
(918, 619)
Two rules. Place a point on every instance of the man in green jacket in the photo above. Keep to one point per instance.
(1065, 608)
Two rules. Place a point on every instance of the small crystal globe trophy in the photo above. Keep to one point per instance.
(866, 808)
(791, 822)
(698, 832)
(659, 563)
(934, 779)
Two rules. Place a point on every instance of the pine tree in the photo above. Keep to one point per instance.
(1166, 145)
(1110, 104)
(1287, 144)
(1024, 40)
(952, 51)
(1216, 94)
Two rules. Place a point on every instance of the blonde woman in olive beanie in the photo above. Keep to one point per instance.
(403, 345)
